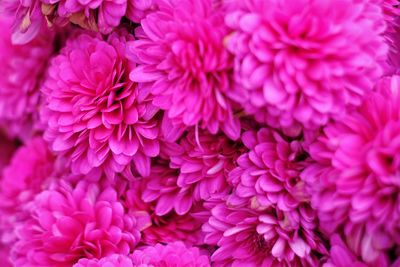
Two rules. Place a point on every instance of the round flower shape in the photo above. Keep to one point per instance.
(354, 179)
(269, 173)
(21, 74)
(30, 169)
(203, 163)
(298, 65)
(247, 237)
(115, 260)
(97, 118)
(67, 224)
(165, 227)
(170, 255)
(183, 62)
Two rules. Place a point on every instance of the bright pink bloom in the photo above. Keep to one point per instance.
(66, 224)
(115, 260)
(301, 63)
(164, 227)
(183, 62)
(30, 169)
(354, 180)
(171, 255)
(21, 71)
(269, 174)
(247, 237)
(97, 118)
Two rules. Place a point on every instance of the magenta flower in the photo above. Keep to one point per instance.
(269, 174)
(247, 237)
(354, 178)
(66, 224)
(183, 62)
(98, 119)
(115, 260)
(302, 64)
(21, 74)
(138, 9)
(164, 227)
(170, 255)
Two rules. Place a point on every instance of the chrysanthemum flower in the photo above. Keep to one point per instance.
(247, 237)
(67, 224)
(354, 180)
(170, 255)
(97, 118)
(300, 64)
(183, 62)
(115, 260)
(269, 173)
(165, 227)
(21, 71)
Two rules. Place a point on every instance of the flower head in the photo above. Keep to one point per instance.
(354, 179)
(247, 237)
(66, 224)
(96, 117)
(21, 71)
(183, 62)
(304, 63)
(170, 255)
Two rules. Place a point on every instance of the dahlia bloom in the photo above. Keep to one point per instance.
(164, 227)
(97, 118)
(247, 237)
(67, 224)
(354, 179)
(183, 62)
(300, 64)
(21, 74)
(203, 163)
(114, 260)
(269, 173)
(340, 255)
(170, 255)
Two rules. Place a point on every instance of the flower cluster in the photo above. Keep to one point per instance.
(197, 133)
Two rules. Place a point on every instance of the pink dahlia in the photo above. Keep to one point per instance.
(114, 260)
(165, 227)
(340, 255)
(97, 118)
(183, 62)
(171, 255)
(67, 224)
(203, 163)
(272, 237)
(354, 179)
(21, 74)
(300, 64)
(269, 173)
(29, 170)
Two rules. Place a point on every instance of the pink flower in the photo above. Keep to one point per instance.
(164, 227)
(269, 173)
(30, 169)
(354, 178)
(97, 118)
(66, 224)
(247, 237)
(183, 62)
(21, 74)
(300, 64)
(170, 255)
(115, 260)
(138, 9)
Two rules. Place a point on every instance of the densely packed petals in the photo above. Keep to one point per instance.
(96, 117)
(183, 62)
(66, 224)
(114, 260)
(300, 64)
(21, 72)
